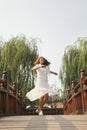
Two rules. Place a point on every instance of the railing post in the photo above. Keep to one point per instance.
(73, 84)
(82, 75)
(5, 79)
(14, 86)
(84, 90)
(73, 94)
(68, 105)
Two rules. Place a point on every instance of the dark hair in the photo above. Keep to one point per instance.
(46, 62)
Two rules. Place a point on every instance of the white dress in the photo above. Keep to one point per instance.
(42, 87)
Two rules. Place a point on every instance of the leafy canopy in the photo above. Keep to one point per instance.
(74, 58)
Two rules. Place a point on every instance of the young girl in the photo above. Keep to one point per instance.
(42, 88)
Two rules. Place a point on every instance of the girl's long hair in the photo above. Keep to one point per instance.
(46, 62)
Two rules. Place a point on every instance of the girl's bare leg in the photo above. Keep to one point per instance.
(45, 98)
(42, 101)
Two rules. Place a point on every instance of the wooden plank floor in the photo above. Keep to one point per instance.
(46, 122)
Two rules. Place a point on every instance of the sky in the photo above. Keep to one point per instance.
(57, 23)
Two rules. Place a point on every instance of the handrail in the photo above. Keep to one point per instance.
(11, 102)
(76, 99)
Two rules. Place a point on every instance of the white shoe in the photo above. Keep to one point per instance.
(37, 111)
(41, 113)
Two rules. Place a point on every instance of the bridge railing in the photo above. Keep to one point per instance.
(76, 100)
(11, 102)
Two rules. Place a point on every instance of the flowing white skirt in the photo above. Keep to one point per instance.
(40, 90)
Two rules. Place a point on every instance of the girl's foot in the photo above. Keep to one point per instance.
(41, 113)
(37, 111)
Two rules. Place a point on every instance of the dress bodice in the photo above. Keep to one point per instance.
(42, 73)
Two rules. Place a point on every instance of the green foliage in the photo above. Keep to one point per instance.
(17, 57)
(74, 58)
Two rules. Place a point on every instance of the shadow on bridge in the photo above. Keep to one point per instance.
(56, 122)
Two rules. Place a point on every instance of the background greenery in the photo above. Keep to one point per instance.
(17, 57)
(74, 59)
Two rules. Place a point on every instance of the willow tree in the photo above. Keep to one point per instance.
(17, 57)
(74, 58)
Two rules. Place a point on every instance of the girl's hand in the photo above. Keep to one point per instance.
(37, 67)
(43, 66)
(55, 73)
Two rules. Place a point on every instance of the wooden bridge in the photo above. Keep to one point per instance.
(73, 116)
(46, 122)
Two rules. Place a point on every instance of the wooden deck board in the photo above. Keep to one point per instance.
(46, 122)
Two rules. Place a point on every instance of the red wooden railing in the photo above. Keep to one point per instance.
(11, 102)
(76, 99)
